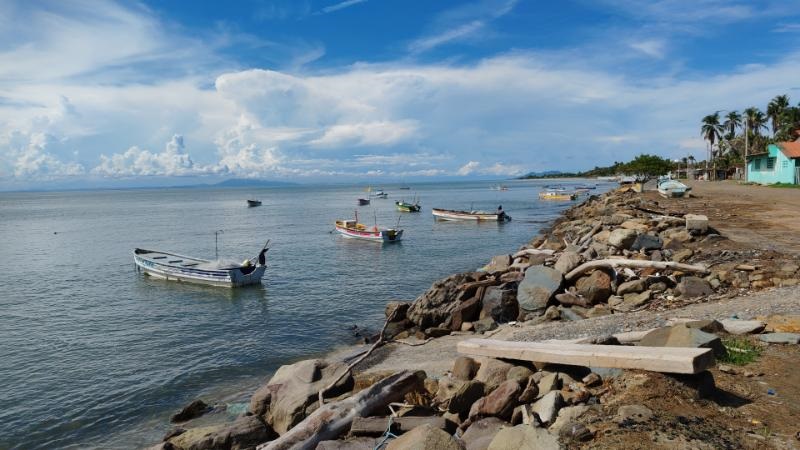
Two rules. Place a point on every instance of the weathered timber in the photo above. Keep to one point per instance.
(619, 262)
(532, 252)
(377, 426)
(661, 213)
(656, 359)
(595, 229)
(331, 420)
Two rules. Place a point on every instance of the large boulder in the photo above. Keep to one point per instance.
(547, 407)
(465, 368)
(396, 311)
(500, 304)
(480, 434)
(194, 409)
(537, 288)
(465, 311)
(499, 263)
(524, 437)
(499, 403)
(437, 303)
(425, 437)
(464, 397)
(682, 336)
(295, 387)
(493, 373)
(693, 287)
(696, 223)
(622, 238)
(244, 433)
(595, 288)
(647, 242)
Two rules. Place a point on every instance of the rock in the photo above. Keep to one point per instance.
(656, 256)
(484, 325)
(690, 287)
(566, 416)
(682, 255)
(635, 224)
(780, 338)
(575, 432)
(467, 326)
(633, 301)
(162, 446)
(537, 288)
(524, 437)
(194, 409)
(465, 368)
(707, 325)
(520, 374)
(530, 391)
(789, 268)
(424, 437)
(593, 379)
(294, 387)
(363, 380)
(446, 388)
(782, 323)
(493, 372)
(499, 263)
(547, 407)
(465, 397)
(499, 403)
(595, 288)
(568, 298)
(396, 311)
(598, 311)
(571, 314)
(631, 414)
(357, 443)
(548, 382)
(682, 336)
(244, 433)
(633, 286)
(696, 223)
(434, 306)
(646, 242)
(622, 238)
(466, 311)
(738, 327)
(500, 304)
(480, 434)
(567, 261)
(436, 332)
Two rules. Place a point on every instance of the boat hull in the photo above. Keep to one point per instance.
(557, 196)
(253, 203)
(446, 214)
(233, 277)
(407, 207)
(363, 202)
(373, 236)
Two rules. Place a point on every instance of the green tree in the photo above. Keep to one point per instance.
(649, 165)
(733, 121)
(756, 120)
(775, 110)
(711, 130)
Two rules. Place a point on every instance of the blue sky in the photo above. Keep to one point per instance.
(109, 93)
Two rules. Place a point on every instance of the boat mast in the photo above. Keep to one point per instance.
(216, 243)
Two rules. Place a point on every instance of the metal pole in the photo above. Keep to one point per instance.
(745, 149)
(216, 243)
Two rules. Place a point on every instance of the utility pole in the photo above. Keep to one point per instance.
(746, 133)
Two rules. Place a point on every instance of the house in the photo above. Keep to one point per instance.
(779, 164)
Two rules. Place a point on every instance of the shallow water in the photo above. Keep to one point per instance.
(95, 355)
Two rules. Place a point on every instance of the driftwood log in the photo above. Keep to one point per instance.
(532, 252)
(612, 263)
(331, 420)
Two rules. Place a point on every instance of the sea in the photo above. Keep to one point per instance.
(94, 354)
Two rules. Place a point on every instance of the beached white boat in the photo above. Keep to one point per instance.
(671, 188)
(174, 267)
(449, 214)
(352, 229)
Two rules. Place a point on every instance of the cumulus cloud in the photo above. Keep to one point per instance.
(173, 161)
(468, 168)
(366, 134)
(30, 159)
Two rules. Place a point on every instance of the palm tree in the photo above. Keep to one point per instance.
(711, 130)
(733, 121)
(775, 110)
(756, 120)
(691, 160)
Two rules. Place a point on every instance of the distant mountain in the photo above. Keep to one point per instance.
(250, 182)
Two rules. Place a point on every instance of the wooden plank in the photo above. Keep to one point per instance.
(656, 359)
(376, 426)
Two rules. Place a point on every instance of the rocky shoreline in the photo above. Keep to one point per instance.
(618, 254)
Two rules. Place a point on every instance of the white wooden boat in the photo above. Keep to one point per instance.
(449, 214)
(174, 267)
(380, 194)
(352, 229)
(557, 195)
(671, 188)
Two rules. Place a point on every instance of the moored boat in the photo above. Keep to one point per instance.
(380, 194)
(407, 207)
(352, 229)
(449, 214)
(363, 201)
(669, 188)
(557, 195)
(252, 203)
(174, 267)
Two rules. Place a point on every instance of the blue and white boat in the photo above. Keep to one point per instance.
(174, 267)
(669, 188)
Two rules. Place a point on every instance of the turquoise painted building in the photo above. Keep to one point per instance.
(779, 164)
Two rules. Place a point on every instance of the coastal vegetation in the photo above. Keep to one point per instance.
(729, 136)
(644, 164)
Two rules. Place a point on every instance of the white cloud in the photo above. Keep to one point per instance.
(341, 5)
(654, 48)
(173, 161)
(366, 134)
(468, 168)
(30, 159)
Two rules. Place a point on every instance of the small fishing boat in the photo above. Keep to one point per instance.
(380, 194)
(585, 187)
(499, 187)
(557, 195)
(252, 203)
(449, 214)
(363, 201)
(174, 267)
(627, 180)
(352, 229)
(407, 207)
(556, 188)
(404, 188)
(669, 188)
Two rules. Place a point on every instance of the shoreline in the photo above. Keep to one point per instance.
(432, 349)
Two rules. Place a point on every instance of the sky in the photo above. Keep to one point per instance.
(105, 93)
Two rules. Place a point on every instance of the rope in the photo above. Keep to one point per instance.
(387, 435)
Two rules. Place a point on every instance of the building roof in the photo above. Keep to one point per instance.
(790, 149)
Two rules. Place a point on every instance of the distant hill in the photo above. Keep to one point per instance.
(250, 182)
(548, 174)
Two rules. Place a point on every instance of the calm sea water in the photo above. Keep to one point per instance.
(95, 355)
